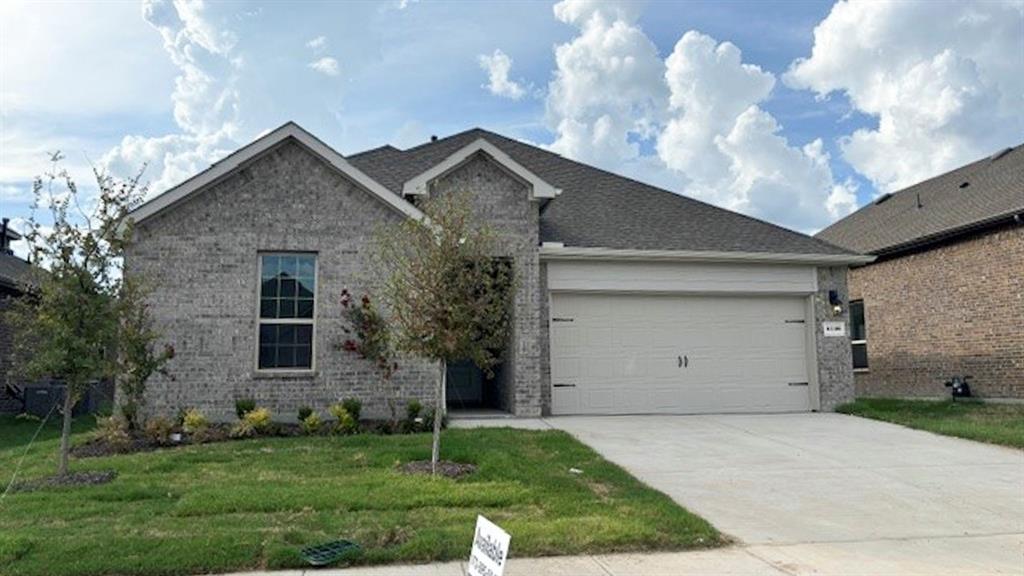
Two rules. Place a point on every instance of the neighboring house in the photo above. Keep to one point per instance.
(946, 294)
(631, 299)
(13, 274)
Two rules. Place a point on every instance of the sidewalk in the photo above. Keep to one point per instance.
(733, 561)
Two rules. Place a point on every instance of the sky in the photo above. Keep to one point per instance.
(794, 112)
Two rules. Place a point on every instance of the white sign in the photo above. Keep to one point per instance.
(490, 547)
(834, 328)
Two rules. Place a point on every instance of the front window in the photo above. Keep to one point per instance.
(858, 335)
(287, 303)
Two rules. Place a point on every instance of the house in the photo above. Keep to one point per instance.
(13, 274)
(630, 299)
(945, 295)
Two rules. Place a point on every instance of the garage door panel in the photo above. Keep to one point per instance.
(621, 354)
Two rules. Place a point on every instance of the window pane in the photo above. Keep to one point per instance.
(303, 334)
(268, 358)
(860, 355)
(305, 287)
(268, 334)
(286, 309)
(268, 308)
(305, 309)
(270, 267)
(286, 334)
(303, 357)
(286, 357)
(289, 266)
(858, 329)
(288, 287)
(307, 266)
(268, 287)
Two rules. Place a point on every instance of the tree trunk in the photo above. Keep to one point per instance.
(65, 432)
(435, 451)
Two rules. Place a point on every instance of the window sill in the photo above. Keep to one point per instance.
(284, 374)
(861, 370)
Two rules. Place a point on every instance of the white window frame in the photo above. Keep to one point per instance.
(853, 343)
(260, 321)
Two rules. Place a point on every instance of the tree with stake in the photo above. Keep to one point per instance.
(448, 297)
(68, 327)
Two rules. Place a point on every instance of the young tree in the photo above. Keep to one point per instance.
(369, 336)
(449, 298)
(67, 328)
(137, 355)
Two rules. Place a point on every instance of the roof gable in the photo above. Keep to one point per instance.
(418, 184)
(228, 165)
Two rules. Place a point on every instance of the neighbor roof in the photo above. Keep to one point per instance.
(600, 209)
(987, 192)
(14, 272)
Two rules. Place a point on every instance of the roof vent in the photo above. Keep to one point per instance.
(999, 154)
(964, 185)
(883, 198)
(433, 138)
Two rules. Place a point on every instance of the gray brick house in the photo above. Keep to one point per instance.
(945, 295)
(631, 299)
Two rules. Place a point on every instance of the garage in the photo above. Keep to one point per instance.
(643, 354)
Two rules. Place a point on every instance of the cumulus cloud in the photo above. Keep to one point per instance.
(498, 65)
(325, 65)
(205, 97)
(317, 44)
(945, 81)
(613, 98)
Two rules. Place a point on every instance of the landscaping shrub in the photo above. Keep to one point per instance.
(113, 430)
(305, 412)
(311, 423)
(254, 422)
(158, 430)
(413, 422)
(193, 422)
(354, 407)
(243, 406)
(345, 424)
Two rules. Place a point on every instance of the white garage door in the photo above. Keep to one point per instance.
(637, 354)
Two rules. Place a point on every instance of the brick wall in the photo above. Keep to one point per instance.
(202, 258)
(8, 404)
(503, 201)
(835, 358)
(955, 309)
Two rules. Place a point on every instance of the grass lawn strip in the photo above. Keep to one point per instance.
(253, 504)
(995, 423)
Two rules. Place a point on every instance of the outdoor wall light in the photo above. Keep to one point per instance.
(835, 302)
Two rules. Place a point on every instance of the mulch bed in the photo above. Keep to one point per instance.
(445, 468)
(70, 479)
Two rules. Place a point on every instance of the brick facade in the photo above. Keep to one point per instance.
(953, 309)
(8, 404)
(834, 356)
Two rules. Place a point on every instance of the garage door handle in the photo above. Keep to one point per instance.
(799, 383)
(684, 361)
(564, 385)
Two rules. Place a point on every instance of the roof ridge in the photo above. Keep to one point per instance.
(372, 150)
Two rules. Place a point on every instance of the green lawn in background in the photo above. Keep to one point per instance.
(253, 504)
(975, 420)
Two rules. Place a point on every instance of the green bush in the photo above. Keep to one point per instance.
(158, 430)
(311, 423)
(113, 430)
(243, 406)
(413, 422)
(345, 423)
(354, 407)
(305, 412)
(193, 422)
(255, 422)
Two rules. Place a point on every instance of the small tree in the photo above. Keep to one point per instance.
(137, 355)
(68, 326)
(369, 336)
(449, 299)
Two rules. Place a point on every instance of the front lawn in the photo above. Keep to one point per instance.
(974, 420)
(252, 504)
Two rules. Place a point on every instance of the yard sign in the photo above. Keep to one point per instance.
(490, 547)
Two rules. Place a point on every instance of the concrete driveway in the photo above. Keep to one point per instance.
(828, 493)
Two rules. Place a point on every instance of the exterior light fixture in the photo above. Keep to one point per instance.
(835, 302)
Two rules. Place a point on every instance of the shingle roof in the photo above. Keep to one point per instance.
(601, 209)
(936, 208)
(14, 271)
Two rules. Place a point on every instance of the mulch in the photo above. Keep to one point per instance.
(445, 468)
(91, 478)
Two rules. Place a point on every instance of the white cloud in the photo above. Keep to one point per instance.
(945, 81)
(497, 66)
(613, 97)
(325, 65)
(317, 44)
(205, 97)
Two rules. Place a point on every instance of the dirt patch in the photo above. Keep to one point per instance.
(445, 468)
(70, 479)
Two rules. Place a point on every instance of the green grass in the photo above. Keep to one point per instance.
(253, 504)
(974, 420)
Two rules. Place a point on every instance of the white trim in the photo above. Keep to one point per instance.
(234, 160)
(260, 321)
(419, 185)
(576, 253)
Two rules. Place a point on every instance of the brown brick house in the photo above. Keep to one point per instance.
(946, 293)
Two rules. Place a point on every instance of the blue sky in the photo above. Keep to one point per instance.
(795, 112)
